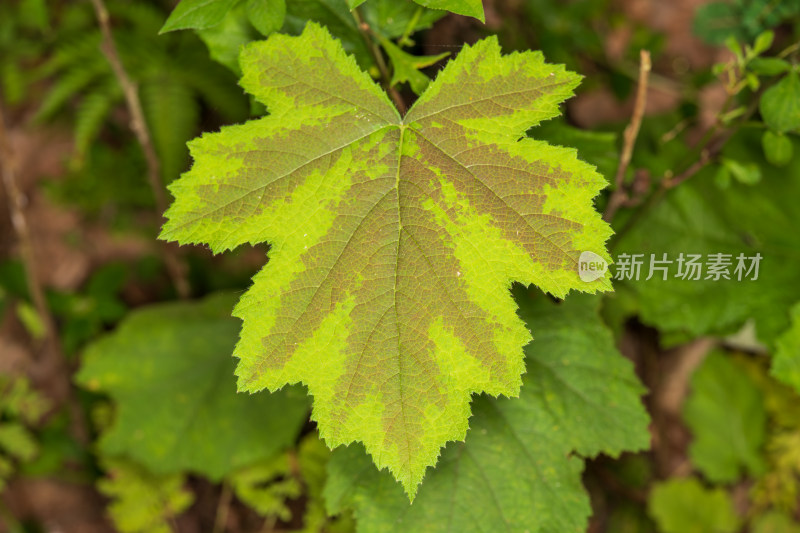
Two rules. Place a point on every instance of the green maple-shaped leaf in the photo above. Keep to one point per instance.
(394, 240)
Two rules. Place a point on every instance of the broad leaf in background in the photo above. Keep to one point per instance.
(780, 104)
(778, 148)
(169, 371)
(197, 14)
(225, 40)
(700, 218)
(394, 240)
(266, 15)
(392, 18)
(470, 8)
(685, 506)
(774, 522)
(726, 415)
(786, 361)
(520, 467)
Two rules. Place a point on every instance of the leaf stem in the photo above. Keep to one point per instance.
(620, 195)
(374, 48)
(223, 507)
(139, 128)
(404, 39)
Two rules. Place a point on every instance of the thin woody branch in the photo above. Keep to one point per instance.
(16, 206)
(139, 128)
(620, 195)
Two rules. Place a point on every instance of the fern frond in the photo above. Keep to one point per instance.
(92, 112)
(70, 84)
(172, 116)
(72, 51)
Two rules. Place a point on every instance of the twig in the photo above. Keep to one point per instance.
(53, 366)
(269, 524)
(620, 196)
(711, 148)
(16, 204)
(366, 33)
(223, 507)
(139, 128)
(707, 155)
(673, 384)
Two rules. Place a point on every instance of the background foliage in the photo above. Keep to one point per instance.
(667, 405)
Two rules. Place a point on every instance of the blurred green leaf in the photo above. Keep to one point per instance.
(17, 442)
(19, 400)
(774, 522)
(469, 8)
(725, 413)
(266, 15)
(265, 486)
(34, 14)
(780, 104)
(778, 148)
(746, 173)
(391, 18)
(142, 502)
(312, 461)
(225, 40)
(763, 42)
(84, 314)
(406, 66)
(769, 66)
(197, 14)
(30, 318)
(685, 506)
(722, 177)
